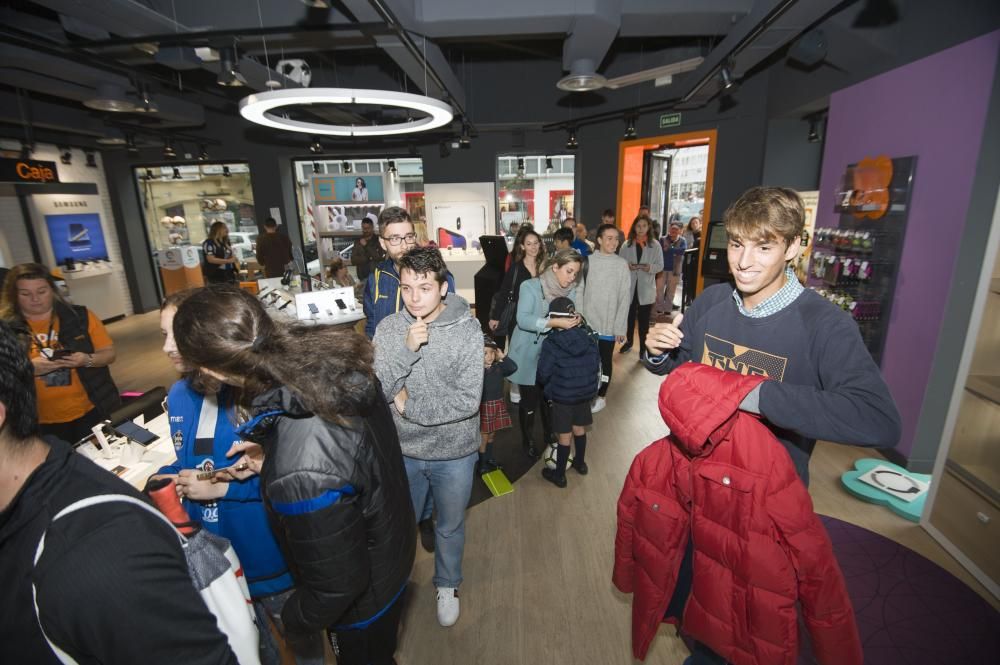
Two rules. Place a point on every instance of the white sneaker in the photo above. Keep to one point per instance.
(448, 607)
(598, 404)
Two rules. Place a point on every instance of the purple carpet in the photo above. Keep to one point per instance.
(910, 611)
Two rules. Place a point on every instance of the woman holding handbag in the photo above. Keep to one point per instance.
(526, 263)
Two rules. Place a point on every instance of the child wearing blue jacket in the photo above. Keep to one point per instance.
(203, 430)
(569, 370)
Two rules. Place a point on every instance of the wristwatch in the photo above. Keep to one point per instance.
(90, 360)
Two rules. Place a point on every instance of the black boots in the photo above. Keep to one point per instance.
(526, 420)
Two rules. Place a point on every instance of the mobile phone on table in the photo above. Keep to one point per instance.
(135, 433)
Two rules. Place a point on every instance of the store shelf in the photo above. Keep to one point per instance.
(985, 386)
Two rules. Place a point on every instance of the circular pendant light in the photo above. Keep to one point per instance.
(261, 107)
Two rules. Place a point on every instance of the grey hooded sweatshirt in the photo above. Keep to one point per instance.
(443, 378)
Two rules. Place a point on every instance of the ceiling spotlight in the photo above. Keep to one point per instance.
(229, 69)
(815, 128)
(571, 143)
(91, 158)
(110, 97)
(726, 75)
(316, 168)
(392, 167)
(630, 127)
(465, 140)
(177, 173)
(520, 166)
(316, 147)
(168, 149)
(345, 167)
(202, 152)
(548, 165)
(225, 171)
(65, 155)
(149, 174)
(146, 103)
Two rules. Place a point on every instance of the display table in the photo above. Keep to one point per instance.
(133, 462)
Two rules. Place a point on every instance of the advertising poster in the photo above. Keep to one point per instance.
(333, 189)
(76, 236)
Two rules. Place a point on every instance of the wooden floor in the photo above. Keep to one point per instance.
(538, 562)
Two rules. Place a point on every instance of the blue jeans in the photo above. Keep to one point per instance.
(449, 484)
(270, 654)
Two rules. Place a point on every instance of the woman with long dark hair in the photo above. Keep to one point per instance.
(560, 277)
(220, 264)
(526, 262)
(645, 260)
(332, 477)
(203, 430)
(70, 351)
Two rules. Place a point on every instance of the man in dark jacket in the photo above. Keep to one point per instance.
(274, 249)
(112, 585)
(569, 370)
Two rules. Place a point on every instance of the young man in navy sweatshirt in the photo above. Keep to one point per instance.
(822, 382)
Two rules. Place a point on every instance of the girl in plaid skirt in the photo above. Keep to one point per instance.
(493, 414)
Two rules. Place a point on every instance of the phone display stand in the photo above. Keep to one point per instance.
(329, 306)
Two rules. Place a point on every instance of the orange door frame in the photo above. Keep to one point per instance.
(627, 176)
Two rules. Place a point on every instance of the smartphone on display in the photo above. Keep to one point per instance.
(313, 308)
(135, 433)
(340, 303)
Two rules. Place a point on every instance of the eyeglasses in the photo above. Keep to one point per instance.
(410, 238)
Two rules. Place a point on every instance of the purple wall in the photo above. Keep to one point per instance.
(934, 108)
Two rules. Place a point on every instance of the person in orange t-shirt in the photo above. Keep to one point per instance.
(70, 350)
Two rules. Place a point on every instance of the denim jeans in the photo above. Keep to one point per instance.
(270, 654)
(449, 484)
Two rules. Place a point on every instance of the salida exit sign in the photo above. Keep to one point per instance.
(670, 120)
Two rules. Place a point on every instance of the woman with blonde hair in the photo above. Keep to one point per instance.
(220, 264)
(70, 350)
(560, 277)
(423, 238)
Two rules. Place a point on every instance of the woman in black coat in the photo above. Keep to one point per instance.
(526, 263)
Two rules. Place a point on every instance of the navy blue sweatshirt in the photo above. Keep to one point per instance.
(493, 378)
(823, 383)
(569, 366)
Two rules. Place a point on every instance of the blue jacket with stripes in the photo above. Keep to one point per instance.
(340, 504)
(202, 434)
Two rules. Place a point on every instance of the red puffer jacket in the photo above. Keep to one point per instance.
(722, 479)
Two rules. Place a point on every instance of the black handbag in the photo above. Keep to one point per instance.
(506, 309)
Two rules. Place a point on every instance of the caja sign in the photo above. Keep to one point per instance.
(28, 170)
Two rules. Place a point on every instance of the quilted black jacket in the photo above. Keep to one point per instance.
(340, 505)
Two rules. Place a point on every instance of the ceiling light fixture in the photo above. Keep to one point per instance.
(316, 168)
(229, 69)
(582, 77)
(571, 143)
(202, 152)
(225, 171)
(726, 76)
(260, 108)
(465, 140)
(520, 166)
(392, 167)
(65, 155)
(345, 167)
(548, 165)
(316, 147)
(91, 158)
(630, 127)
(149, 174)
(177, 173)
(815, 128)
(110, 97)
(168, 149)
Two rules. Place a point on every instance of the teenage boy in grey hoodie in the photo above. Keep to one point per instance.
(429, 359)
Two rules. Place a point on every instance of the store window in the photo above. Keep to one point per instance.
(180, 202)
(539, 189)
(334, 200)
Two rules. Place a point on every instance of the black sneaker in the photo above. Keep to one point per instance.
(426, 528)
(581, 468)
(554, 477)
